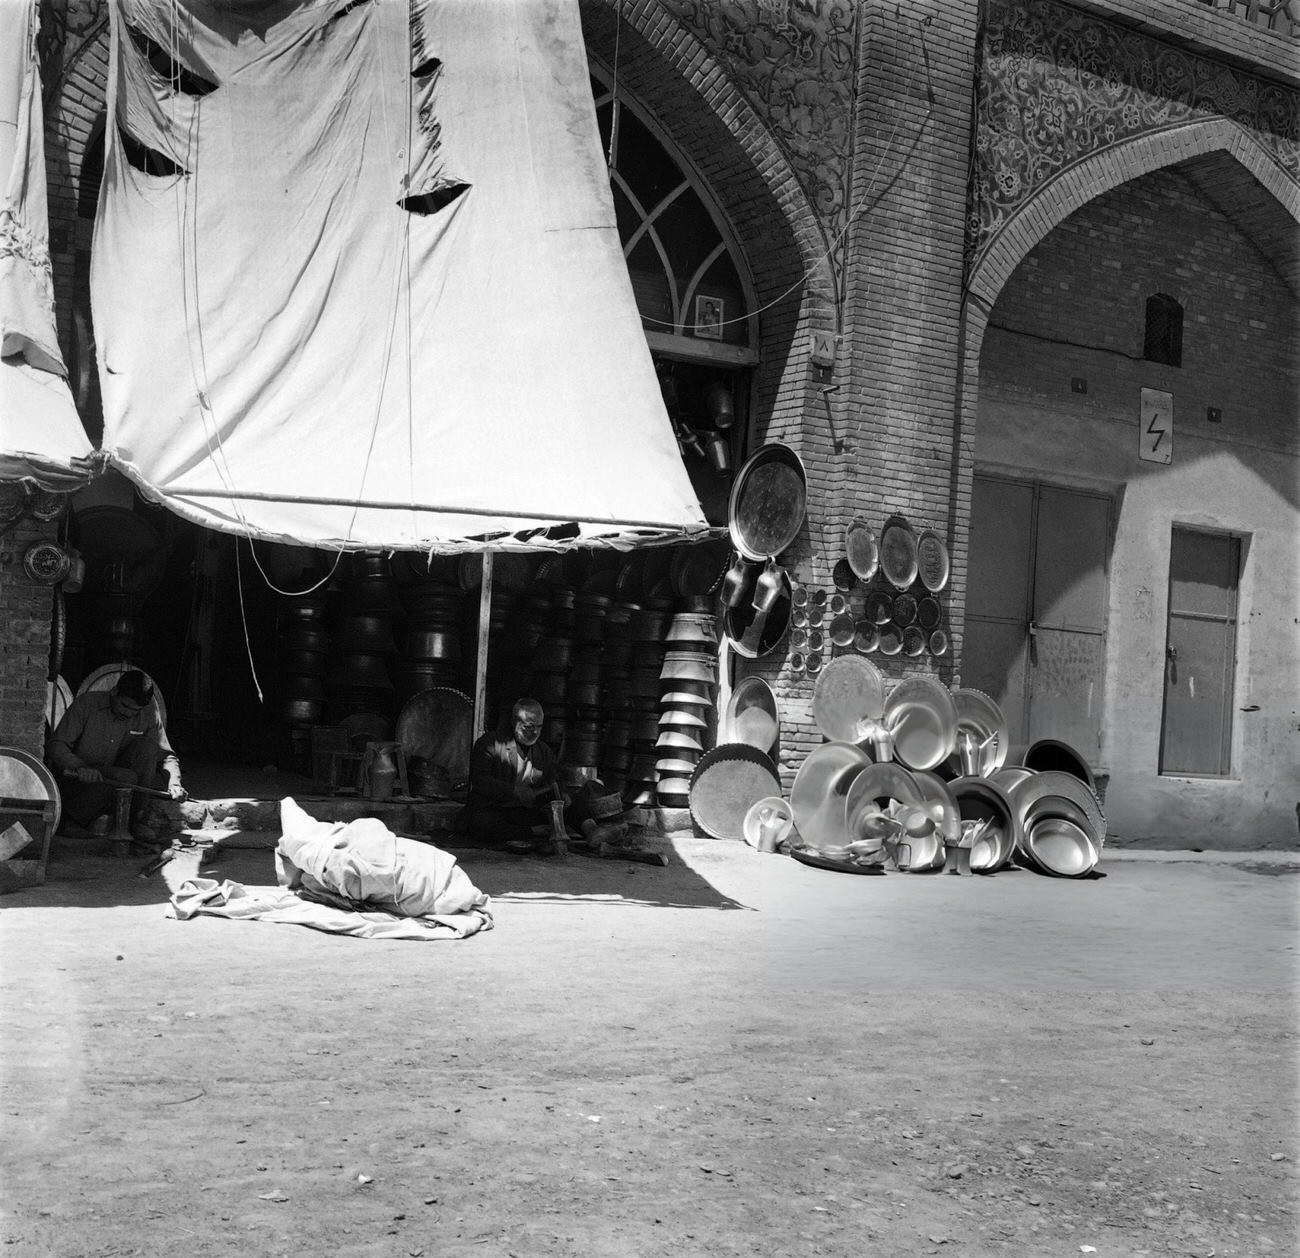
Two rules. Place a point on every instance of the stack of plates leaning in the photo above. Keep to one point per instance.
(686, 691)
(647, 623)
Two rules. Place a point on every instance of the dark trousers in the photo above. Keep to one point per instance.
(495, 827)
(137, 764)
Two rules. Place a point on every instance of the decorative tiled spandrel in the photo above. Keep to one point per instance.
(1057, 85)
(795, 61)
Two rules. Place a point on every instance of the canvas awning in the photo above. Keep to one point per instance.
(41, 436)
(357, 280)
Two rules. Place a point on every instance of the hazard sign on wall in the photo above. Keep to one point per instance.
(1156, 426)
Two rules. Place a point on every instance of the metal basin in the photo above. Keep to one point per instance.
(819, 791)
(1061, 847)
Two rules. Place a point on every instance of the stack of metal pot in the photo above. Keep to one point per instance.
(646, 624)
(431, 644)
(551, 661)
(615, 756)
(359, 681)
(303, 661)
(583, 695)
(687, 720)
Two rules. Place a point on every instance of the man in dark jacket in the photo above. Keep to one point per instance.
(106, 739)
(512, 781)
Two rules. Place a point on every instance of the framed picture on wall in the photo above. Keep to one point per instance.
(709, 315)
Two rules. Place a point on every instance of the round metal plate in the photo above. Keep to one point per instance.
(938, 643)
(920, 714)
(843, 575)
(843, 628)
(913, 640)
(983, 719)
(898, 553)
(904, 610)
(878, 607)
(850, 692)
(1037, 796)
(929, 612)
(891, 640)
(752, 716)
(932, 560)
(862, 553)
(437, 725)
(866, 637)
(1061, 845)
(726, 784)
(23, 776)
(819, 790)
(768, 502)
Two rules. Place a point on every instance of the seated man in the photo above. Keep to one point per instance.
(511, 784)
(109, 738)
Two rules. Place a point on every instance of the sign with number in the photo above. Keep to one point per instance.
(1156, 426)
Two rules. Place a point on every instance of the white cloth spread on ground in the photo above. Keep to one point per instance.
(366, 253)
(40, 431)
(353, 878)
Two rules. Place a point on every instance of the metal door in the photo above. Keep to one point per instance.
(1036, 608)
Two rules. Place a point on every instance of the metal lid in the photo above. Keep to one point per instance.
(726, 783)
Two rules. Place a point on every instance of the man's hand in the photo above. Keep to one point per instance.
(84, 773)
(176, 790)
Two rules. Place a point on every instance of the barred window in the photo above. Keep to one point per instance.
(1164, 331)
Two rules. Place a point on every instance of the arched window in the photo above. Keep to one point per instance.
(691, 283)
(1163, 342)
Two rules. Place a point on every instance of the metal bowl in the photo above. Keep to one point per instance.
(920, 714)
(1060, 846)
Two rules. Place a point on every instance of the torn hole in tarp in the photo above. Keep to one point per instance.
(344, 11)
(146, 160)
(179, 77)
(430, 65)
(435, 199)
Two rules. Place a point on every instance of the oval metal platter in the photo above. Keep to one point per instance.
(850, 692)
(752, 716)
(768, 502)
(819, 790)
(981, 716)
(843, 627)
(811, 856)
(105, 678)
(922, 717)
(898, 553)
(726, 784)
(861, 550)
(932, 561)
(938, 643)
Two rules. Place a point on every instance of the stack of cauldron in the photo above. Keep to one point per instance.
(552, 659)
(303, 661)
(687, 721)
(359, 681)
(431, 644)
(647, 623)
(584, 691)
(615, 757)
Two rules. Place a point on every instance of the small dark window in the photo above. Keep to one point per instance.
(1164, 334)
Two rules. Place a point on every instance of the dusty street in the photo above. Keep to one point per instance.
(736, 1055)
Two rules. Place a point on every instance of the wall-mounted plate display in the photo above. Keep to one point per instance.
(768, 502)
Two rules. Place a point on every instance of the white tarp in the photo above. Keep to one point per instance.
(288, 352)
(40, 431)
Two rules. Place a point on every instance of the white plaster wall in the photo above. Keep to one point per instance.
(1211, 484)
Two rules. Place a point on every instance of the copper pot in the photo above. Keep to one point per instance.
(306, 638)
(424, 643)
(361, 671)
(366, 632)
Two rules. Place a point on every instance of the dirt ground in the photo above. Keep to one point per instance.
(736, 1055)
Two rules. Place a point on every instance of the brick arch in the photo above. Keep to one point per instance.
(1109, 168)
(689, 64)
